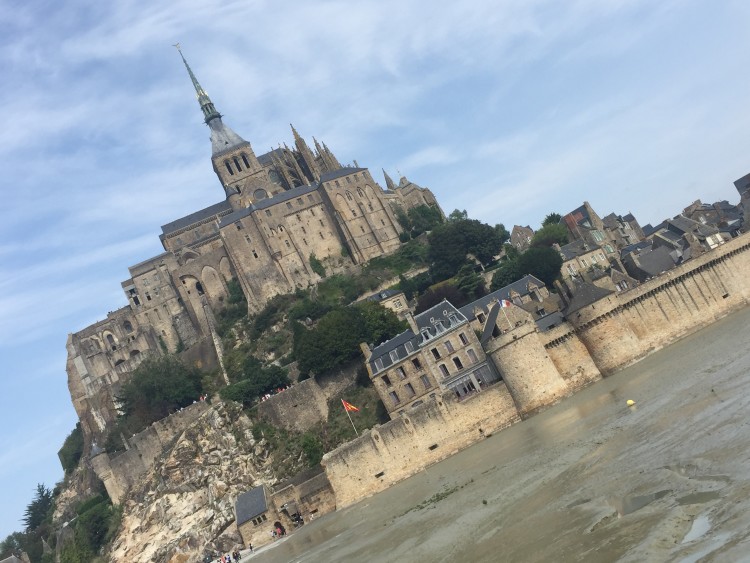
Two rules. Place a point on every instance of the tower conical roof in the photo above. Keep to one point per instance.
(223, 138)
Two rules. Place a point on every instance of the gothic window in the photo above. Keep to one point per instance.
(360, 193)
(127, 326)
(244, 159)
(458, 363)
(199, 288)
(349, 196)
(229, 167)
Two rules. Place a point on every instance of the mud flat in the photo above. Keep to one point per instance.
(590, 479)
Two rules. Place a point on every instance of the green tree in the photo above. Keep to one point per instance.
(72, 449)
(423, 218)
(435, 295)
(550, 234)
(470, 283)
(543, 262)
(508, 272)
(335, 340)
(158, 387)
(37, 510)
(261, 381)
(453, 241)
(503, 233)
(551, 219)
(458, 215)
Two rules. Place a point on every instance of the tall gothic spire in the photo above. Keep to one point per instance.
(207, 106)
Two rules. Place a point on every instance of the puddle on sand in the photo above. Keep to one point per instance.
(628, 505)
(699, 497)
(700, 526)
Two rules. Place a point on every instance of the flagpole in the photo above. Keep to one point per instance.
(510, 327)
(350, 417)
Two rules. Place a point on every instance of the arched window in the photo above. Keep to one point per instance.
(199, 288)
(244, 159)
(237, 164)
(360, 193)
(349, 196)
(127, 325)
(229, 167)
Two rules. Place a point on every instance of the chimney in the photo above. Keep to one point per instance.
(412, 323)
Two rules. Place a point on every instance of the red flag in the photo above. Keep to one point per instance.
(504, 302)
(349, 407)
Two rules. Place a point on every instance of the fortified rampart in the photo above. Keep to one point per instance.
(538, 368)
(404, 446)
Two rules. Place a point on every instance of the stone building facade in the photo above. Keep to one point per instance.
(281, 212)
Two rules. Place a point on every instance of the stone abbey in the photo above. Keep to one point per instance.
(282, 211)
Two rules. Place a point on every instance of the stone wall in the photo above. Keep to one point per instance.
(120, 472)
(429, 433)
(298, 408)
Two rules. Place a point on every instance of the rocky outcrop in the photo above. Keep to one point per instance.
(184, 506)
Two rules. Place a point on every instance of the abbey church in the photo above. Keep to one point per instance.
(281, 212)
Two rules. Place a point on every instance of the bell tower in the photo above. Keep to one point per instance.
(232, 156)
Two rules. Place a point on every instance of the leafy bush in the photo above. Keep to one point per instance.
(259, 382)
(317, 266)
(72, 449)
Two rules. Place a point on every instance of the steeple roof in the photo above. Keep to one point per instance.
(222, 136)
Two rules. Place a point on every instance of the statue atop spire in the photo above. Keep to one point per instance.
(207, 106)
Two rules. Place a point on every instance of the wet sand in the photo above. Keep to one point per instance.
(590, 479)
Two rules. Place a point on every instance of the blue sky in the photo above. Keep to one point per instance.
(508, 109)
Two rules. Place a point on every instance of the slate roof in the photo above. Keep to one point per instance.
(266, 158)
(196, 217)
(344, 171)
(575, 248)
(585, 294)
(656, 261)
(268, 202)
(549, 321)
(382, 295)
(429, 322)
(250, 504)
(520, 287)
(12, 559)
(634, 247)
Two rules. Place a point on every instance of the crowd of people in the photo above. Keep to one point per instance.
(273, 392)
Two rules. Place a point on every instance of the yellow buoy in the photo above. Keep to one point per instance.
(630, 402)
